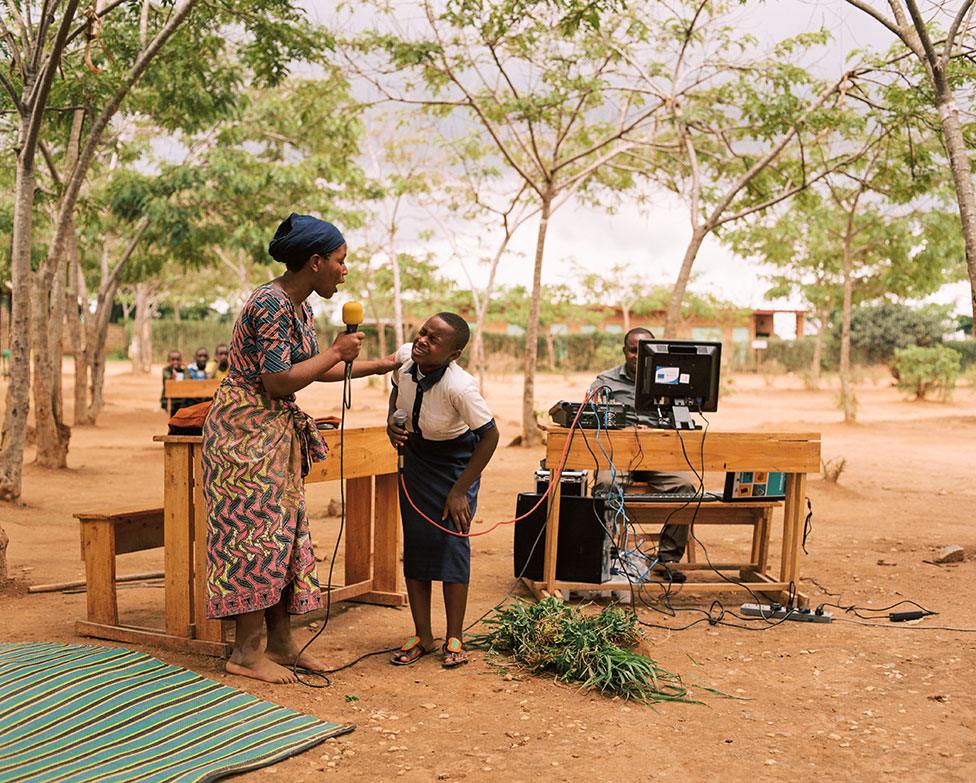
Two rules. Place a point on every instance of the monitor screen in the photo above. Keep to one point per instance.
(677, 372)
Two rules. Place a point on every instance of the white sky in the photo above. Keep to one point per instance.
(654, 238)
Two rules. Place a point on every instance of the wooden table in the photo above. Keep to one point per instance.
(793, 453)
(189, 389)
(370, 538)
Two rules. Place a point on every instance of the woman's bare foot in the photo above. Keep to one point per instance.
(286, 657)
(262, 668)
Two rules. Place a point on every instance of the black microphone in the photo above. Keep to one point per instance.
(400, 420)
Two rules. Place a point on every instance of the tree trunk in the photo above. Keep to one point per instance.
(48, 327)
(530, 430)
(962, 176)
(673, 316)
(398, 329)
(18, 386)
(626, 312)
(847, 400)
(814, 382)
(97, 337)
(478, 355)
(381, 345)
(551, 348)
(3, 556)
(77, 320)
(142, 330)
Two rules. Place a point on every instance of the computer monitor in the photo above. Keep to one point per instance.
(675, 377)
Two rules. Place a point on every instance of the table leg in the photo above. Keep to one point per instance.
(359, 523)
(177, 518)
(203, 628)
(98, 548)
(552, 532)
(385, 534)
(789, 569)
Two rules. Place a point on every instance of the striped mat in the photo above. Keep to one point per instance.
(72, 713)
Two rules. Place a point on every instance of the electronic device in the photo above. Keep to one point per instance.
(597, 415)
(778, 612)
(670, 497)
(754, 485)
(675, 377)
(584, 549)
(573, 482)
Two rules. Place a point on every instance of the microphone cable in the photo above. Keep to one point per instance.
(296, 669)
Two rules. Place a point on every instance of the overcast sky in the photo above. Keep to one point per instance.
(654, 238)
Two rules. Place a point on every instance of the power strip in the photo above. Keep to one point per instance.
(778, 612)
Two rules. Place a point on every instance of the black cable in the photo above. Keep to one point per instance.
(346, 403)
(471, 625)
(807, 525)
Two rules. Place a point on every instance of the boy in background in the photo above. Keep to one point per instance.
(448, 439)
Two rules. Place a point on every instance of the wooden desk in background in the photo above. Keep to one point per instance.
(189, 390)
(793, 453)
(371, 538)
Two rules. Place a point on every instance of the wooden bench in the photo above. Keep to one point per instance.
(756, 514)
(103, 536)
(189, 390)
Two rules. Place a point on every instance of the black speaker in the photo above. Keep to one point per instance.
(583, 553)
(573, 481)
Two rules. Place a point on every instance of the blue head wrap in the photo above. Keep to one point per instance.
(300, 236)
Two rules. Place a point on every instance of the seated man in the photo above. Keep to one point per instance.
(173, 371)
(620, 383)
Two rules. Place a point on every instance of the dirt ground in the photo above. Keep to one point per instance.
(831, 702)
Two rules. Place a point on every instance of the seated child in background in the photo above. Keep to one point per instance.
(449, 438)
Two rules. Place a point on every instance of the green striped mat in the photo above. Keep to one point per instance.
(71, 713)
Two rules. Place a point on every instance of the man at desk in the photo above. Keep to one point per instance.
(620, 383)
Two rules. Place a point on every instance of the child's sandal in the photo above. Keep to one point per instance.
(454, 653)
(406, 655)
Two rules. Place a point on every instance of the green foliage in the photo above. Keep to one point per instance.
(792, 355)
(594, 651)
(966, 350)
(921, 370)
(878, 331)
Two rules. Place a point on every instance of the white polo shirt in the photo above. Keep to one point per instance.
(439, 406)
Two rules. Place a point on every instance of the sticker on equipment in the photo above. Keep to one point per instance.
(666, 375)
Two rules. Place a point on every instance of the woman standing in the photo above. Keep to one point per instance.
(258, 446)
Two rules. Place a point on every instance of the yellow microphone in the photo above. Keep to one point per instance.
(352, 316)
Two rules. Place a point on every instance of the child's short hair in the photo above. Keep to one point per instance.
(461, 331)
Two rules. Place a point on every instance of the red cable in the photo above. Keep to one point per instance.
(562, 461)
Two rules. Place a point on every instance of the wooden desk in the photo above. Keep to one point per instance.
(371, 538)
(793, 453)
(189, 390)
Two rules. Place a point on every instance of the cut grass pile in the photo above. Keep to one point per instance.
(595, 651)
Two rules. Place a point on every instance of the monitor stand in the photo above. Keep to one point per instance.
(681, 418)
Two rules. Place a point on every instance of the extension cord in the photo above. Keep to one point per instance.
(777, 612)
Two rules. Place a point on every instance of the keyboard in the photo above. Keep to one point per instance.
(671, 497)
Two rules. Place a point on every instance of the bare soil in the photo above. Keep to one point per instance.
(827, 702)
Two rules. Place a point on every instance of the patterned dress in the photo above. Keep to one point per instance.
(256, 452)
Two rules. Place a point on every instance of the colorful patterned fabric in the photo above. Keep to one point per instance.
(76, 713)
(256, 451)
(271, 335)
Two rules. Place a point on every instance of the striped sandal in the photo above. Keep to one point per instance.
(454, 653)
(410, 652)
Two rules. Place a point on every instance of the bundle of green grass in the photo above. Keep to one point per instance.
(594, 650)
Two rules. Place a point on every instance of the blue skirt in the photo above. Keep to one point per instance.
(430, 468)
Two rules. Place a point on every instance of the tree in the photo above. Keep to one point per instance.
(535, 77)
(731, 143)
(108, 63)
(937, 56)
(33, 55)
